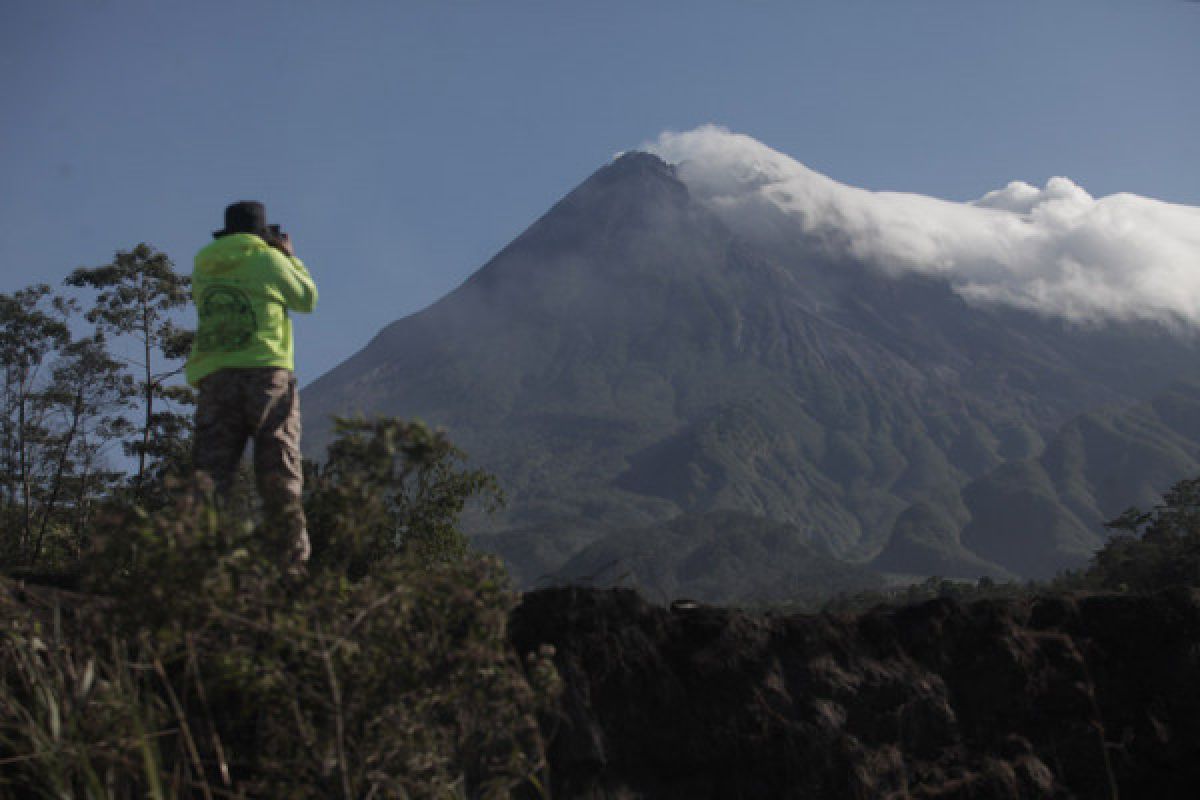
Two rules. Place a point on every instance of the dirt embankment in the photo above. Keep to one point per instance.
(1086, 696)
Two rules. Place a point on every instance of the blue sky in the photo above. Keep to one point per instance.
(404, 143)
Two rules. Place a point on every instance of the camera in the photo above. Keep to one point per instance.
(275, 236)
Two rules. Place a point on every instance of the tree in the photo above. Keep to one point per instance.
(32, 327)
(1155, 548)
(188, 663)
(138, 292)
(60, 407)
(83, 402)
(393, 486)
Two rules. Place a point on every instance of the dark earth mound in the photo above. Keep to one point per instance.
(1088, 696)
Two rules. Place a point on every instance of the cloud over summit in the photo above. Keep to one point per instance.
(1055, 249)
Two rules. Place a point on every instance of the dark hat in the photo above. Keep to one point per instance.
(245, 216)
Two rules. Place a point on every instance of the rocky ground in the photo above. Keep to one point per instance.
(1086, 696)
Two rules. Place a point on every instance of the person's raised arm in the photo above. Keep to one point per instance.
(292, 278)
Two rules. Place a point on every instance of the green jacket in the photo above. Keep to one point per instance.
(243, 289)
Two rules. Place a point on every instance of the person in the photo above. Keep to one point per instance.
(242, 364)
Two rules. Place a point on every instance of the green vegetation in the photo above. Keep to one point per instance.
(183, 663)
(1153, 549)
(192, 667)
(74, 385)
(388, 485)
(1150, 550)
(135, 296)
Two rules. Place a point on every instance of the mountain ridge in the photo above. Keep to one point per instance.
(630, 358)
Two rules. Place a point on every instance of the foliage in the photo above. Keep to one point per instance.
(61, 403)
(932, 588)
(136, 295)
(195, 669)
(192, 667)
(32, 327)
(67, 398)
(1153, 549)
(404, 487)
(86, 396)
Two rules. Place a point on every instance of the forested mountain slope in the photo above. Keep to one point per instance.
(631, 358)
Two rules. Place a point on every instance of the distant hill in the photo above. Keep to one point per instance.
(724, 557)
(1037, 516)
(631, 359)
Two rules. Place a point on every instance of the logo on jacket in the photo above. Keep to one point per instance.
(227, 320)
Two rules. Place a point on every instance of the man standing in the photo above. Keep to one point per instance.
(242, 363)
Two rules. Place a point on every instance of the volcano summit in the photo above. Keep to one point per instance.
(708, 368)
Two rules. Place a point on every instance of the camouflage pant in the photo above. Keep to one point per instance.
(262, 404)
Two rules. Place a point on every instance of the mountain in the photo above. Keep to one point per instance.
(725, 557)
(636, 356)
(1038, 516)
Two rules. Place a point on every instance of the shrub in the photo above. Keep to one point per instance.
(1155, 548)
(388, 486)
(194, 668)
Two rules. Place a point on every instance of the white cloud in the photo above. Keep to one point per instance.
(1056, 249)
